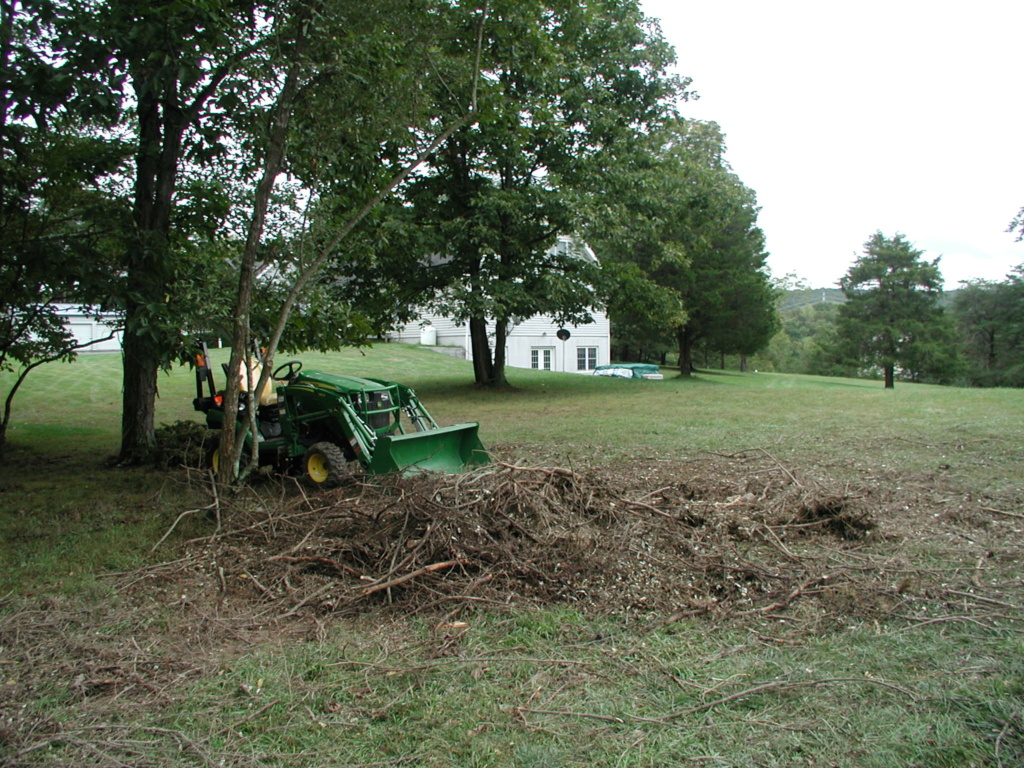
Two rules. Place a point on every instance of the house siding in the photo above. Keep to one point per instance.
(538, 332)
(87, 328)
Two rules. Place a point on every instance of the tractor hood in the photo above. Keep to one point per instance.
(334, 382)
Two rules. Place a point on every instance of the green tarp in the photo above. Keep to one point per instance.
(627, 370)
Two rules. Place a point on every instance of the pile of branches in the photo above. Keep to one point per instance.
(653, 541)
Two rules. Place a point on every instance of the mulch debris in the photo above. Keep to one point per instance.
(724, 537)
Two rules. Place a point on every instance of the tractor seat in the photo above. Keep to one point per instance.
(268, 396)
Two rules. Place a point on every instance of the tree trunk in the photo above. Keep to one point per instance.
(890, 377)
(161, 125)
(483, 367)
(488, 366)
(138, 398)
(743, 363)
(498, 379)
(685, 351)
(282, 113)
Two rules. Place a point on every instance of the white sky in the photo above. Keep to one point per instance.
(847, 118)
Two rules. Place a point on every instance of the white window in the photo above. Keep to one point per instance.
(540, 358)
(586, 358)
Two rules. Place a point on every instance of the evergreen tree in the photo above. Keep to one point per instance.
(680, 229)
(990, 321)
(892, 320)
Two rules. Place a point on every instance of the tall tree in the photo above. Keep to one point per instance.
(679, 219)
(60, 215)
(726, 291)
(892, 320)
(169, 76)
(351, 153)
(990, 320)
(563, 83)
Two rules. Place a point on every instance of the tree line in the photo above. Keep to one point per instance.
(311, 173)
(895, 321)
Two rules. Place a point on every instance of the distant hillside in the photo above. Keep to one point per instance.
(806, 297)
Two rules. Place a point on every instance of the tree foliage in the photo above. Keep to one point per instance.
(61, 217)
(190, 90)
(170, 79)
(804, 342)
(990, 321)
(563, 84)
(892, 320)
(1017, 225)
(681, 228)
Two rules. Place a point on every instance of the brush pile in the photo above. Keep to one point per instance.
(724, 538)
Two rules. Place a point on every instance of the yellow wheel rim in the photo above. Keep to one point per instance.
(318, 467)
(215, 460)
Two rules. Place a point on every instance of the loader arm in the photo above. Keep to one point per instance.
(417, 414)
(361, 438)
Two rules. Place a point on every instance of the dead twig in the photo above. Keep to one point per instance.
(779, 686)
(215, 505)
(341, 567)
(1003, 512)
(591, 716)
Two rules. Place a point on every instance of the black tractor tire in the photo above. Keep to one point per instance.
(325, 464)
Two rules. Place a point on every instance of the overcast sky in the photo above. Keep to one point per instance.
(847, 118)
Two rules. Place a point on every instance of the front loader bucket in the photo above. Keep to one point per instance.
(446, 449)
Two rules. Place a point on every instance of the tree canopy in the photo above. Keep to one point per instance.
(680, 227)
(990, 320)
(224, 162)
(892, 320)
(62, 216)
(562, 86)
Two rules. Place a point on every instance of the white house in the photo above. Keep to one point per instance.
(86, 329)
(537, 342)
(534, 343)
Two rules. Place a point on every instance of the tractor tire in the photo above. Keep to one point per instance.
(213, 461)
(325, 464)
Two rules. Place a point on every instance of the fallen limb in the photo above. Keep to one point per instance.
(415, 574)
(551, 471)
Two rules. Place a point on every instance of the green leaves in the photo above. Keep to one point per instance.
(892, 321)
(559, 85)
(990, 318)
(672, 210)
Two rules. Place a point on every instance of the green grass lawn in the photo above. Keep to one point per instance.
(839, 423)
(550, 686)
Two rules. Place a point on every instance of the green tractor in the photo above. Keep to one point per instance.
(330, 424)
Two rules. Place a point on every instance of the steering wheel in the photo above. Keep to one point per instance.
(291, 368)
